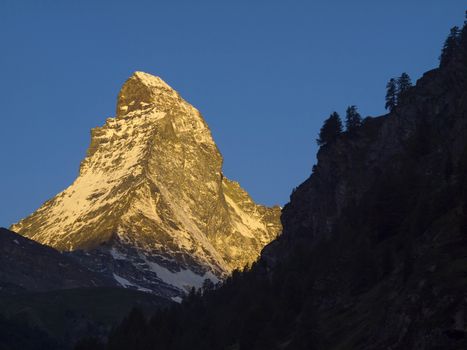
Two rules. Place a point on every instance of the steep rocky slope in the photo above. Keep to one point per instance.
(383, 217)
(150, 205)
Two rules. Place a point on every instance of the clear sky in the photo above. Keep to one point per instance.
(265, 74)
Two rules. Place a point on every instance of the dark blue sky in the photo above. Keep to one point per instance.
(264, 74)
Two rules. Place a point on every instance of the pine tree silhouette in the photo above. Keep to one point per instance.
(353, 119)
(330, 130)
(391, 94)
(404, 83)
(450, 47)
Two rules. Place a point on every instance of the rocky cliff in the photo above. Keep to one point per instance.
(151, 205)
(383, 218)
(381, 226)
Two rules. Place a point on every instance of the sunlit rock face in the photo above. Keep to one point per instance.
(151, 196)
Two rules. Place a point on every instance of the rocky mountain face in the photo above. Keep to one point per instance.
(151, 206)
(373, 253)
(383, 219)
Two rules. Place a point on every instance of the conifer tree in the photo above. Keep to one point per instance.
(330, 130)
(353, 119)
(451, 46)
(391, 94)
(463, 36)
(403, 84)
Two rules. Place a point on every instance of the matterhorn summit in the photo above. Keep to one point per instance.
(151, 207)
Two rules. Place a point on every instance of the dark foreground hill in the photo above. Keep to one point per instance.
(26, 265)
(374, 249)
(48, 300)
(57, 319)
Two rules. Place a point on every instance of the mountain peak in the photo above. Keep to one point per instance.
(151, 80)
(143, 90)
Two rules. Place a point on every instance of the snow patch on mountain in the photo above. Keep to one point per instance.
(184, 279)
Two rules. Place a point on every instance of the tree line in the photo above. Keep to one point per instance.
(333, 126)
(455, 46)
